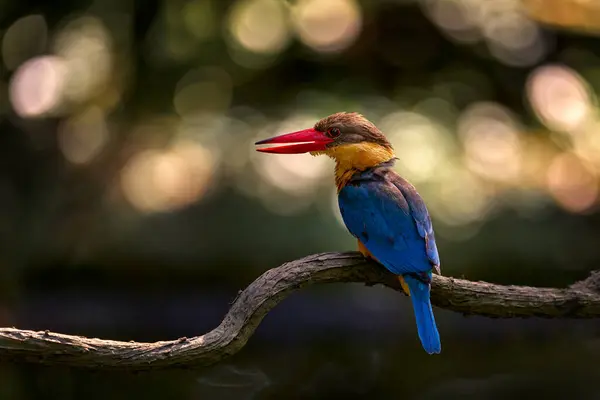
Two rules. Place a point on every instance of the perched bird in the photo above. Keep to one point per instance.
(379, 207)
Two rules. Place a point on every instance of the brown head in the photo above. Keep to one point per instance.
(349, 128)
(335, 135)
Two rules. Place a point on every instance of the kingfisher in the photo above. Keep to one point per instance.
(382, 210)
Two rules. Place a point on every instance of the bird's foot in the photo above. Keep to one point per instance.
(363, 250)
(404, 285)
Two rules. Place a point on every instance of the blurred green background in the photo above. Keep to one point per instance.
(134, 207)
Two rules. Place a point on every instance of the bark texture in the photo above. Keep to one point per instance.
(581, 300)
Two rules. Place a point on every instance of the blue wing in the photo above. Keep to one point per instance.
(389, 217)
(419, 212)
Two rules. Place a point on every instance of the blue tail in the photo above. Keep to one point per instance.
(428, 333)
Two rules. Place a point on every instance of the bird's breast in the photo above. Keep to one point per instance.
(343, 176)
(355, 158)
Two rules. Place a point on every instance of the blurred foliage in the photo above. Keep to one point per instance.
(133, 204)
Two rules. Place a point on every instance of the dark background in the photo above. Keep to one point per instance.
(133, 205)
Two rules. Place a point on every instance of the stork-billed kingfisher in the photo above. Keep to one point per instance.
(379, 207)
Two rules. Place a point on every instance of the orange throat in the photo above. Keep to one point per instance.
(356, 157)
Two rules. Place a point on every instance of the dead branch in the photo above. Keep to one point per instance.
(580, 300)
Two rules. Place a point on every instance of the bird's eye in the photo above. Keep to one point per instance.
(334, 133)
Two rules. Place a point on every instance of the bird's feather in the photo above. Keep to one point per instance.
(426, 328)
(389, 217)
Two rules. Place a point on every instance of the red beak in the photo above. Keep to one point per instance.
(296, 142)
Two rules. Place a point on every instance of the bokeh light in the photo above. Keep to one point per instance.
(79, 70)
(572, 183)
(210, 129)
(455, 17)
(490, 136)
(82, 136)
(560, 97)
(166, 180)
(460, 198)
(327, 25)
(576, 15)
(537, 155)
(260, 26)
(36, 87)
(511, 36)
(587, 143)
(421, 145)
(85, 46)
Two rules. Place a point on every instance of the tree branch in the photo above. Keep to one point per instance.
(581, 300)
